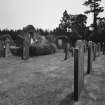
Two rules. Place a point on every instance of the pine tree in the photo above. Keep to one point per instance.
(95, 8)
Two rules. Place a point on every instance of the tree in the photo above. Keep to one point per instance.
(101, 29)
(78, 25)
(101, 24)
(95, 8)
(58, 31)
(64, 25)
(73, 25)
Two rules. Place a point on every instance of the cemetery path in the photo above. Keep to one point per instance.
(48, 80)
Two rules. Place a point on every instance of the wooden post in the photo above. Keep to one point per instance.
(84, 46)
(1, 48)
(78, 69)
(26, 44)
(103, 47)
(76, 87)
(94, 51)
(98, 48)
(89, 65)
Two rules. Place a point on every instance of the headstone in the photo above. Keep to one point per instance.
(60, 43)
(7, 48)
(3, 48)
(78, 69)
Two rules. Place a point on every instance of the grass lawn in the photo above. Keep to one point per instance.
(44, 80)
(48, 80)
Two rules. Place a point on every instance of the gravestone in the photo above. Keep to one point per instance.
(78, 69)
(7, 47)
(60, 43)
(3, 48)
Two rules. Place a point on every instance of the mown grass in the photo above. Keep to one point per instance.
(50, 93)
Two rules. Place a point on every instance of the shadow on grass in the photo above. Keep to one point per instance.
(68, 100)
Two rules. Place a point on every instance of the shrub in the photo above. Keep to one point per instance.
(43, 47)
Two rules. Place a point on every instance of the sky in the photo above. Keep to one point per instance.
(45, 14)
